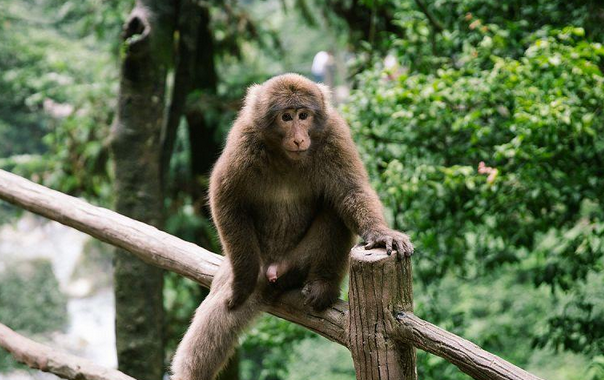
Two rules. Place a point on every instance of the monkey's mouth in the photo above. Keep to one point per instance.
(296, 153)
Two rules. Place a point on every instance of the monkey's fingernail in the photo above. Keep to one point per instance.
(389, 252)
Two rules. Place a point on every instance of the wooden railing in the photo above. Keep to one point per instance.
(377, 324)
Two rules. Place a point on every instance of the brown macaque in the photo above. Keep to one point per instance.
(288, 195)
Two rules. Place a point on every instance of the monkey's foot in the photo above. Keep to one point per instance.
(320, 294)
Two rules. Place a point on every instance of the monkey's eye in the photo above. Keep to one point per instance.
(303, 116)
(286, 117)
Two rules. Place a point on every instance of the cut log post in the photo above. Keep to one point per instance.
(380, 285)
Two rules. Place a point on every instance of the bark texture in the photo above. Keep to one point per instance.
(171, 253)
(195, 72)
(379, 286)
(467, 356)
(202, 135)
(147, 44)
(47, 359)
(188, 25)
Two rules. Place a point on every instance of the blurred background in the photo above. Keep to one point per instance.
(480, 122)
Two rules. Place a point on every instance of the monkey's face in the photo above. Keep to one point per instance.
(294, 126)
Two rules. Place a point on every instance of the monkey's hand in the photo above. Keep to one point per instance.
(389, 239)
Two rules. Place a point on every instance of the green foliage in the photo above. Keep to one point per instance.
(596, 369)
(509, 251)
(438, 32)
(23, 288)
(534, 122)
(56, 103)
(269, 347)
(181, 297)
(494, 164)
(320, 359)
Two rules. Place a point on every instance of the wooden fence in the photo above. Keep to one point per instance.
(377, 325)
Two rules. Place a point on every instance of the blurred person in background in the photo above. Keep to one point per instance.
(323, 67)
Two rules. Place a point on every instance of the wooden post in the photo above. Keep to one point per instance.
(380, 287)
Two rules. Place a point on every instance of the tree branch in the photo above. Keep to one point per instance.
(433, 21)
(467, 356)
(47, 359)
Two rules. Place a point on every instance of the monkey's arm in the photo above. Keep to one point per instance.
(357, 203)
(237, 233)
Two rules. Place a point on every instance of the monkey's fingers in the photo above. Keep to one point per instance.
(388, 242)
(404, 247)
(371, 244)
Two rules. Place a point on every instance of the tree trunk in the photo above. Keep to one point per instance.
(380, 286)
(195, 71)
(202, 135)
(135, 145)
(188, 24)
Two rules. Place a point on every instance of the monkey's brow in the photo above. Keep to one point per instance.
(296, 107)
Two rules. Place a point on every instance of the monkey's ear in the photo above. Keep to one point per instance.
(326, 94)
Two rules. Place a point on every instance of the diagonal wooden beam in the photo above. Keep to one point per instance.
(467, 356)
(47, 359)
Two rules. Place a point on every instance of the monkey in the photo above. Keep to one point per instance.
(288, 195)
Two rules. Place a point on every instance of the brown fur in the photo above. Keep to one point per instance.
(283, 216)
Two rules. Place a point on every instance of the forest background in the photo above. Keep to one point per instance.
(480, 122)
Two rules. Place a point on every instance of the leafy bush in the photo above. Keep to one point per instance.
(23, 288)
(57, 98)
(494, 163)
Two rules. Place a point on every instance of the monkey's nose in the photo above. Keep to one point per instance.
(298, 142)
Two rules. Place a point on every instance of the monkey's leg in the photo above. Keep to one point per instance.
(211, 338)
(324, 250)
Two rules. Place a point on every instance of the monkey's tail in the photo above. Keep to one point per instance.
(211, 338)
